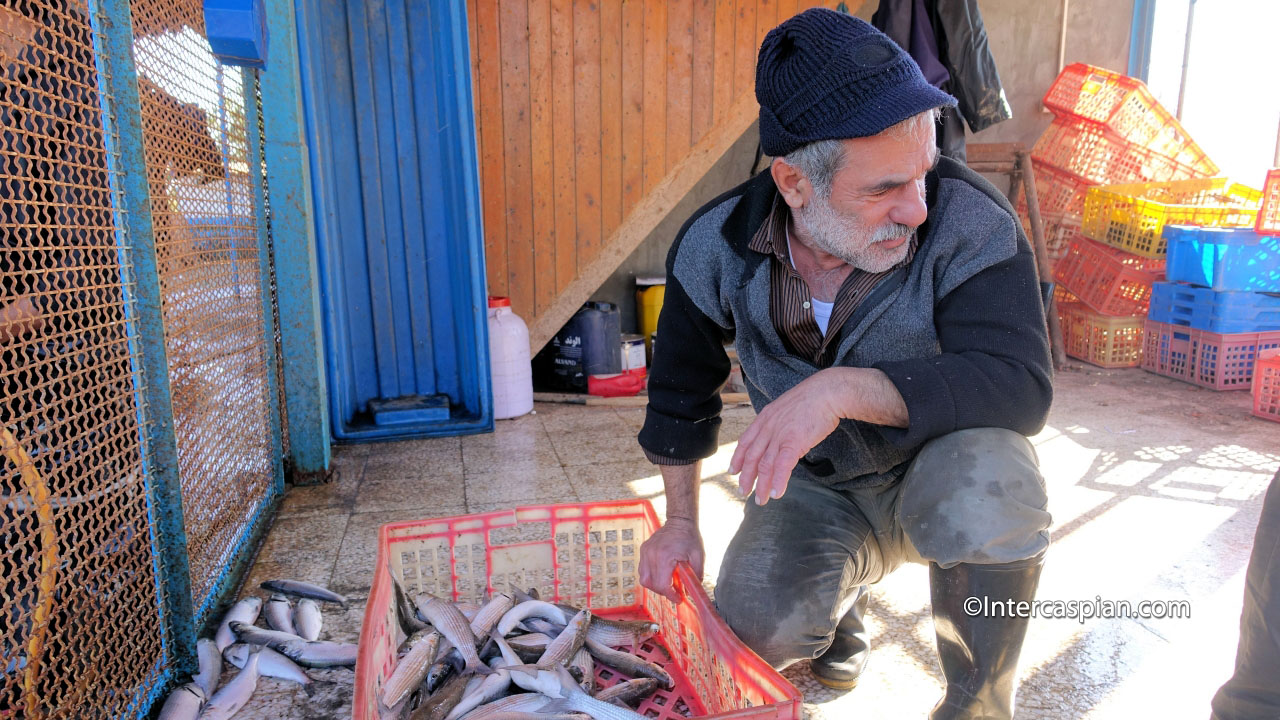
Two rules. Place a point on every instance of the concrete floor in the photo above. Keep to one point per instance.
(1155, 487)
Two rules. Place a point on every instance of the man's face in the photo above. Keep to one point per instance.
(877, 198)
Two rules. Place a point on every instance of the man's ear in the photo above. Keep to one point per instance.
(792, 184)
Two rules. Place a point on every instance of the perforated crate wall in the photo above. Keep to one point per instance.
(1266, 386)
(1098, 155)
(1212, 360)
(1133, 216)
(1269, 213)
(583, 554)
(1105, 341)
(1110, 281)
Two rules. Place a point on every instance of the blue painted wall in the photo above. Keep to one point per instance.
(386, 90)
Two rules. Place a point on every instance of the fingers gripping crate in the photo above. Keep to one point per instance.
(1212, 360)
(584, 554)
(1223, 258)
(1269, 213)
(1266, 386)
(1127, 108)
(1110, 281)
(1092, 152)
(1105, 341)
(1132, 216)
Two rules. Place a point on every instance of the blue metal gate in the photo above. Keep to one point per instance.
(393, 159)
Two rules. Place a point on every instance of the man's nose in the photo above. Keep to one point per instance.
(909, 207)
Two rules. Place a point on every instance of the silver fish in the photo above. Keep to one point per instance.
(540, 625)
(210, 662)
(279, 612)
(446, 618)
(442, 701)
(521, 706)
(298, 588)
(319, 653)
(629, 664)
(492, 687)
(582, 662)
(577, 701)
(529, 677)
(235, 694)
(629, 692)
(621, 633)
(270, 664)
(449, 662)
(183, 703)
(528, 609)
(405, 612)
(412, 668)
(490, 613)
(567, 643)
(255, 635)
(307, 619)
(245, 611)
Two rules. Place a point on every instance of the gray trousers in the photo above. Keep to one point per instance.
(794, 566)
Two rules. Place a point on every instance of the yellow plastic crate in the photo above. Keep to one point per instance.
(1103, 340)
(1132, 216)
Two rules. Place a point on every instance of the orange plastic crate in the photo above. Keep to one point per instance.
(1110, 281)
(1217, 361)
(1269, 212)
(579, 553)
(1132, 216)
(1105, 341)
(1126, 107)
(1060, 193)
(1098, 155)
(1266, 385)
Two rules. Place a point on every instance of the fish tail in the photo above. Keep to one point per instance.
(479, 667)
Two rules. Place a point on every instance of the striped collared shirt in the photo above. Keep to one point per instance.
(790, 305)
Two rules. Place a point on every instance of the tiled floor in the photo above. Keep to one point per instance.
(1155, 488)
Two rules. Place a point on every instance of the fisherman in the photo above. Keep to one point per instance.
(885, 308)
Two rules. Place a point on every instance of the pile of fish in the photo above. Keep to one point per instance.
(514, 658)
(292, 642)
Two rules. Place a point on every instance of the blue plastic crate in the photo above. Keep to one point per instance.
(1219, 312)
(1223, 258)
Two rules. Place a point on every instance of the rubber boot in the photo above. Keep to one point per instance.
(978, 651)
(842, 663)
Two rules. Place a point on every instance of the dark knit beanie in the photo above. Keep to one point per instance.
(826, 75)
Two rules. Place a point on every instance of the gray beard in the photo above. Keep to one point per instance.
(846, 238)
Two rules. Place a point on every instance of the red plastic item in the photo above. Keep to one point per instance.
(1110, 281)
(579, 553)
(499, 301)
(1266, 386)
(1212, 360)
(1127, 108)
(623, 384)
(1098, 155)
(1105, 341)
(1269, 213)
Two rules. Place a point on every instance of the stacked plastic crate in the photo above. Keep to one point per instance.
(1219, 313)
(1107, 128)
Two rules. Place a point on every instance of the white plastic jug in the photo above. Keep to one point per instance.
(509, 361)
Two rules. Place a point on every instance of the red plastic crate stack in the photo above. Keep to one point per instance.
(1266, 385)
(1107, 129)
(1110, 290)
(1269, 213)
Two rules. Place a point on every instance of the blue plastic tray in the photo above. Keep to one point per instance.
(1214, 311)
(1223, 258)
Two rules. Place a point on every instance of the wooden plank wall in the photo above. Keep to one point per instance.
(585, 106)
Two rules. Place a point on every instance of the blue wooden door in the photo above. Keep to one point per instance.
(389, 112)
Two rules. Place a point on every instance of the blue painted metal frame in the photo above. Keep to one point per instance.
(293, 238)
(112, 25)
(1144, 16)
(393, 186)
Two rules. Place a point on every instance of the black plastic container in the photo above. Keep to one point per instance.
(589, 344)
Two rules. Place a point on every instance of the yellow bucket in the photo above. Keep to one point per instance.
(650, 292)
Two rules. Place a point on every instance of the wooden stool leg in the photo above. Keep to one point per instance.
(1044, 267)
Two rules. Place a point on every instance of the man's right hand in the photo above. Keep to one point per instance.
(677, 541)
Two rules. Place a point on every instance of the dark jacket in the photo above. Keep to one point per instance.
(960, 332)
(962, 49)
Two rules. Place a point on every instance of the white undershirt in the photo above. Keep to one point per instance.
(821, 310)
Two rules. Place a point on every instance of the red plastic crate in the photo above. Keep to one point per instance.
(1266, 385)
(1269, 213)
(1110, 281)
(1126, 107)
(1105, 341)
(1212, 360)
(1098, 155)
(584, 554)
(1060, 193)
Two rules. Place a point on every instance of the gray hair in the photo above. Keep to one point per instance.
(820, 160)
